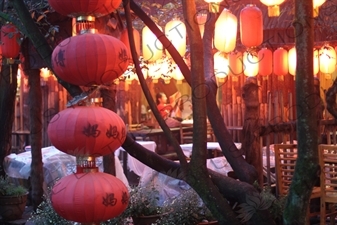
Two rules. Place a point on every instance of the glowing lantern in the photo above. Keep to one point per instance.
(213, 5)
(316, 5)
(154, 71)
(175, 30)
(177, 75)
(87, 131)
(152, 48)
(251, 26)
(221, 65)
(89, 197)
(235, 63)
(280, 61)
(125, 39)
(273, 7)
(265, 56)
(77, 8)
(45, 73)
(292, 61)
(327, 59)
(201, 20)
(90, 59)
(251, 64)
(225, 31)
(316, 61)
(10, 38)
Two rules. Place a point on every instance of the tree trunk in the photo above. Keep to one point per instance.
(8, 86)
(307, 167)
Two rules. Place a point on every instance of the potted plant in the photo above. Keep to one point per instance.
(187, 209)
(13, 199)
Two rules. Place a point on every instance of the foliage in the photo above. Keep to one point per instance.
(187, 209)
(7, 188)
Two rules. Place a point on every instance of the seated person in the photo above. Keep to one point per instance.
(170, 112)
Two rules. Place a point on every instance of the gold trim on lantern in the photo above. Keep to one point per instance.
(86, 18)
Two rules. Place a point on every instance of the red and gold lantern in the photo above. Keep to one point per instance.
(265, 56)
(235, 63)
(89, 197)
(225, 31)
(75, 8)
(90, 59)
(251, 26)
(280, 61)
(10, 38)
(87, 131)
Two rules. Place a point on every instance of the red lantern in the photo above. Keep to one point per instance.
(280, 61)
(125, 39)
(235, 63)
(87, 131)
(251, 26)
(265, 61)
(75, 8)
(90, 59)
(10, 41)
(89, 197)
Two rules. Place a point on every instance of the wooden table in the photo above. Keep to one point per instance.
(157, 135)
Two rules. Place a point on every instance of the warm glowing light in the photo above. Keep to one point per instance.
(225, 31)
(45, 73)
(292, 61)
(250, 64)
(213, 5)
(273, 7)
(152, 48)
(201, 20)
(316, 61)
(280, 61)
(235, 63)
(175, 30)
(316, 5)
(251, 26)
(327, 59)
(221, 66)
(265, 62)
(177, 75)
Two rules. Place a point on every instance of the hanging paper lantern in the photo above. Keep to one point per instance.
(316, 61)
(90, 59)
(251, 26)
(175, 30)
(201, 20)
(280, 61)
(265, 56)
(213, 5)
(327, 59)
(87, 131)
(273, 7)
(221, 66)
(225, 31)
(152, 48)
(292, 61)
(75, 8)
(177, 75)
(250, 64)
(89, 197)
(316, 5)
(125, 39)
(10, 38)
(235, 63)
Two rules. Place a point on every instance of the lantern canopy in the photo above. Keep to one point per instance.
(235, 63)
(292, 61)
(152, 48)
(89, 197)
(273, 7)
(225, 31)
(250, 64)
(125, 39)
(280, 61)
(10, 38)
(87, 131)
(251, 26)
(90, 59)
(327, 59)
(265, 56)
(175, 30)
(221, 66)
(75, 8)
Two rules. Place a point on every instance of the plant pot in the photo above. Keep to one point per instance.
(12, 207)
(145, 220)
(210, 222)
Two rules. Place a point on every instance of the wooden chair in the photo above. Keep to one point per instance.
(328, 181)
(285, 161)
(186, 137)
